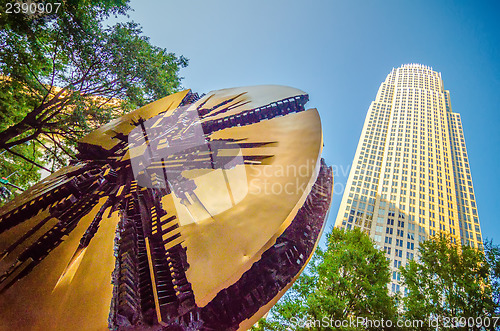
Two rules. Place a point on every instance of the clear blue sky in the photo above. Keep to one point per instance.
(339, 52)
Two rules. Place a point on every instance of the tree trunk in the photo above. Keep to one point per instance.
(12, 132)
(27, 123)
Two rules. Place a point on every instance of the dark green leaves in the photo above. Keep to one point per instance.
(64, 74)
(450, 281)
(346, 281)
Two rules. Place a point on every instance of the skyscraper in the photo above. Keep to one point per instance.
(410, 177)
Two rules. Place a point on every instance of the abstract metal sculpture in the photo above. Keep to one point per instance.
(187, 214)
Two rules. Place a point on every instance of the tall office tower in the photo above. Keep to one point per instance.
(410, 177)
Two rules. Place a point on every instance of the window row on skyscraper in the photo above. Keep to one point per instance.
(411, 168)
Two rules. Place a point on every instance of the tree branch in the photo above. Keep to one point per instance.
(61, 162)
(56, 110)
(26, 159)
(33, 74)
(60, 146)
(55, 107)
(23, 140)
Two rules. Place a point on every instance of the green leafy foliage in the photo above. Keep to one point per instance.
(16, 168)
(63, 74)
(346, 281)
(447, 285)
(450, 281)
(492, 255)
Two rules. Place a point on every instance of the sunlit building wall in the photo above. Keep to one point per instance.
(411, 177)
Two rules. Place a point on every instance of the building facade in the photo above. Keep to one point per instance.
(411, 177)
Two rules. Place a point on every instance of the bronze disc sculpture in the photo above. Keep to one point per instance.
(190, 213)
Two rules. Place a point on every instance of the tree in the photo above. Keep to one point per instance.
(450, 281)
(64, 73)
(492, 255)
(348, 280)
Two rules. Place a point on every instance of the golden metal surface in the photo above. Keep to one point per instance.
(220, 249)
(35, 303)
(104, 135)
(231, 216)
